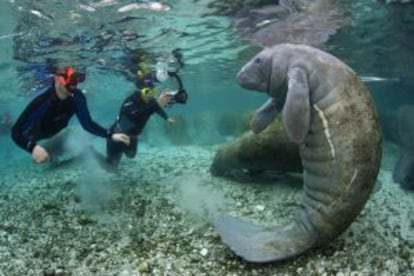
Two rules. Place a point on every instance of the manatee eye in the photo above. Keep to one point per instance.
(257, 60)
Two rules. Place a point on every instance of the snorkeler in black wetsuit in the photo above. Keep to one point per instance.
(135, 111)
(51, 111)
(133, 116)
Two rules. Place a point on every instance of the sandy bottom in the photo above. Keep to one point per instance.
(155, 217)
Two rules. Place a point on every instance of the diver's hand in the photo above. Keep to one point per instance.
(164, 99)
(40, 155)
(120, 138)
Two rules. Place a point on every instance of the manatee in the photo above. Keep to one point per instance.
(329, 113)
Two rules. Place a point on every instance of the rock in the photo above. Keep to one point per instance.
(85, 219)
(256, 153)
(49, 272)
(204, 252)
(260, 208)
(144, 267)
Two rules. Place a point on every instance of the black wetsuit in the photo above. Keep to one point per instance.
(46, 115)
(133, 116)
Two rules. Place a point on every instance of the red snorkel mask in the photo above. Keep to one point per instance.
(69, 78)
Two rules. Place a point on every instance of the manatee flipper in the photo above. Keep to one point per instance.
(264, 116)
(296, 111)
(263, 244)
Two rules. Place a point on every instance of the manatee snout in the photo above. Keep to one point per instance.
(249, 80)
(245, 80)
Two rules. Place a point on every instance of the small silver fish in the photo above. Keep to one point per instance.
(41, 15)
(377, 79)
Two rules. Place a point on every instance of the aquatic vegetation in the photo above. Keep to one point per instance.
(270, 150)
(85, 218)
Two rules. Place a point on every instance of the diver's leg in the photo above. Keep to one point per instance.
(131, 150)
(114, 152)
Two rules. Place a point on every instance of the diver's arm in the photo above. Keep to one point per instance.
(162, 101)
(28, 120)
(39, 154)
(21, 140)
(82, 112)
(161, 112)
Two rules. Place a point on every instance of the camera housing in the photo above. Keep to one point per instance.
(178, 96)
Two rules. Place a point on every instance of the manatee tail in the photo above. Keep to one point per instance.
(259, 244)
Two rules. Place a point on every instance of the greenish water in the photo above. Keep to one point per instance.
(216, 38)
(97, 37)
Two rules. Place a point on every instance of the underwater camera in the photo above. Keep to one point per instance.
(178, 96)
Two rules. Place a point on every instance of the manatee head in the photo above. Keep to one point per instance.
(266, 72)
(255, 74)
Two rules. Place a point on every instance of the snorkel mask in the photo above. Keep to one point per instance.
(69, 78)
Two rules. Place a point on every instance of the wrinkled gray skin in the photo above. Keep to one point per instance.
(328, 111)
